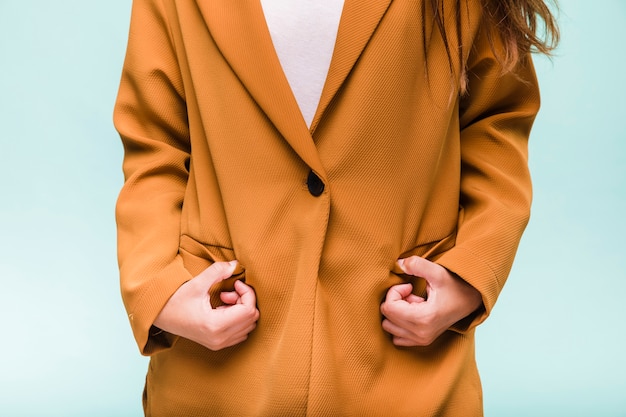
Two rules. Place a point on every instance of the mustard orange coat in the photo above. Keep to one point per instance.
(217, 159)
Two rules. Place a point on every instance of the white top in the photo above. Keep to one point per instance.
(304, 34)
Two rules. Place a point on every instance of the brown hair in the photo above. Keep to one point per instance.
(523, 26)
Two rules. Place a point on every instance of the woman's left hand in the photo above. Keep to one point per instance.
(415, 321)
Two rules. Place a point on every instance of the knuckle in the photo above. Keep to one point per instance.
(212, 329)
(425, 320)
(214, 343)
(214, 346)
(250, 313)
(384, 309)
(425, 338)
(420, 341)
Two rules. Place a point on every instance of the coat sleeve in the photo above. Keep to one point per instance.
(496, 116)
(150, 116)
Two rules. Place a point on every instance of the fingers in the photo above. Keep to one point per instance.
(412, 298)
(408, 317)
(415, 321)
(411, 324)
(401, 336)
(189, 313)
(405, 311)
(399, 292)
(240, 305)
(233, 321)
(229, 325)
(218, 340)
(422, 268)
(456, 298)
(229, 298)
(246, 294)
(240, 337)
(243, 294)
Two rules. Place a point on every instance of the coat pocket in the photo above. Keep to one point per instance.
(198, 256)
(431, 251)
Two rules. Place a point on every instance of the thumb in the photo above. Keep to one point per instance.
(215, 273)
(420, 267)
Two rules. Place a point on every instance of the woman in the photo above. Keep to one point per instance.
(322, 201)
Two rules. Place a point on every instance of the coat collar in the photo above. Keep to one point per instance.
(240, 31)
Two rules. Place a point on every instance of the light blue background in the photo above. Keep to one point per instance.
(555, 345)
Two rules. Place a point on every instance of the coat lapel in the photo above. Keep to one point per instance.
(238, 28)
(240, 31)
(358, 22)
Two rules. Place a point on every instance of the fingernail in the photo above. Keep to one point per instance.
(232, 263)
(398, 268)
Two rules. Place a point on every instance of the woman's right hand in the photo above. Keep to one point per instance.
(189, 314)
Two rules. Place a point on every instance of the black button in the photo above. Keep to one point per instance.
(316, 186)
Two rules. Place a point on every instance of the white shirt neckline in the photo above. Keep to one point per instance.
(304, 33)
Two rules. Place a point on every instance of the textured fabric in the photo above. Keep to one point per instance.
(303, 33)
(217, 157)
